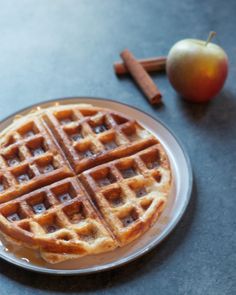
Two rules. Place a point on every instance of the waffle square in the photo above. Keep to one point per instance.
(90, 137)
(130, 192)
(29, 159)
(59, 219)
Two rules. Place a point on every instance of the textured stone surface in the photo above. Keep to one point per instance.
(64, 48)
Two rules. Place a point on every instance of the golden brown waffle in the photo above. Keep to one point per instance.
(29, 159)
(130, 192)
(59, 220)
(92, 136)
(78, 180)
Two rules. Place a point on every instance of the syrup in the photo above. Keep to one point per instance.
(28, 255)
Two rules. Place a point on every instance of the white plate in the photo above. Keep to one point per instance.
(176, 206)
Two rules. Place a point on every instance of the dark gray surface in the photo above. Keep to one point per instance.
(64, 48)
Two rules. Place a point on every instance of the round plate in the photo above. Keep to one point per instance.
(176, 205)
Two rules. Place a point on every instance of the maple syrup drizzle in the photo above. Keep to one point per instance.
(28, 255)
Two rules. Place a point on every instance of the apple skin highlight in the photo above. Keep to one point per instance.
(197, 70)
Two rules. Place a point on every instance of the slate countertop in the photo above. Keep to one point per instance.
(62, 48)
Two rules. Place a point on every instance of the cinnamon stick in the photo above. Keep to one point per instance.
(153, 64)
(141, 77)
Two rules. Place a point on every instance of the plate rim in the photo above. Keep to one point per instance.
(141, 252)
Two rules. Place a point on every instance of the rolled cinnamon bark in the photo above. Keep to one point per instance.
(143, 80)
(153, 64)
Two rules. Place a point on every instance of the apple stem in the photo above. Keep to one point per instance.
(210, 36)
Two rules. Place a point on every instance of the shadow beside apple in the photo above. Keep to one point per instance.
(193, 111)
(220, 110)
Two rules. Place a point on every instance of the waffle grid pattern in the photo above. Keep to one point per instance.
(123, 190)
(92, 137)
(78, 181)
(29, 159)
(61, 212)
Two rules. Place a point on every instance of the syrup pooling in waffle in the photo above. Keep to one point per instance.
(130, 192)
(90, 137)
(57, 219)
(29, 159)
(78, 180)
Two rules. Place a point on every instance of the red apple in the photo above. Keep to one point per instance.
(197, 69)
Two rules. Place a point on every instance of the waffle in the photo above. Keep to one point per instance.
(29, 159)
(130, 192)
(59, 219)
(90, 137)
(77, 180)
